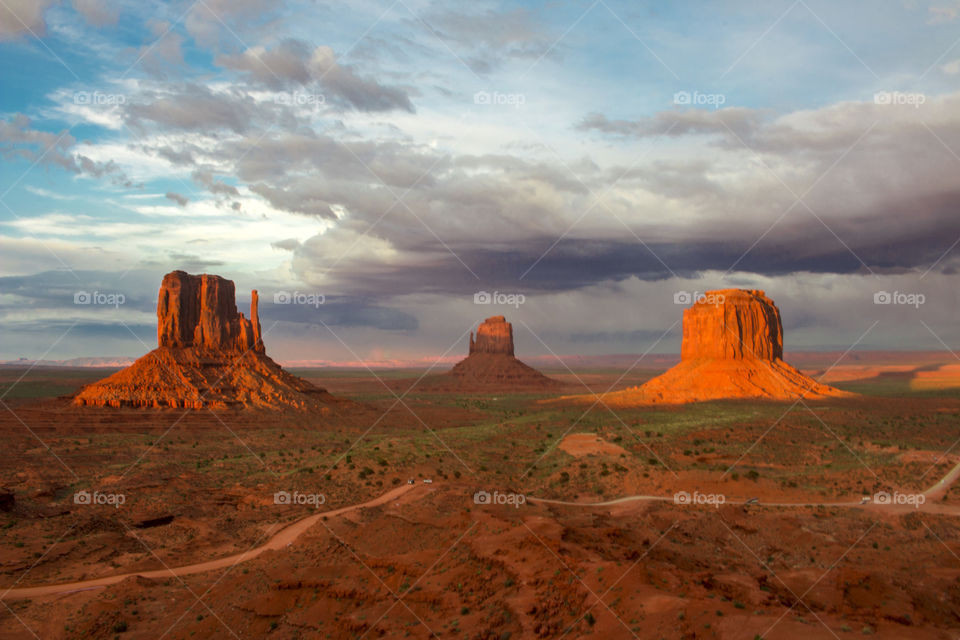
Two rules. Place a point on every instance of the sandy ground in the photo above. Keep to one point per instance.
(597, 548)
(584, 444)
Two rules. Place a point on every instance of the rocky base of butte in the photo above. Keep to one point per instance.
(491, 363)
(732, 348)
(209, 356)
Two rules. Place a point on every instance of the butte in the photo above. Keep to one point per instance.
(490, 362)
(732, 348)
(208, 356)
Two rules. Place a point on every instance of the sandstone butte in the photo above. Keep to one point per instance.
(490, 361)
(732, 348)
(208, 356)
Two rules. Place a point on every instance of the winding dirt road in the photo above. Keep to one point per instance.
(932, 493)
(278, 541)
(293, 531)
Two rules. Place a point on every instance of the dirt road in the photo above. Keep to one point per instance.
(278, 541)
(293, 531)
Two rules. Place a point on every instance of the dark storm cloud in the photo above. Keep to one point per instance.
(884, 241)
(639, 336)
(57, 290)
(880, 186)
(52, 297)
(338, 311)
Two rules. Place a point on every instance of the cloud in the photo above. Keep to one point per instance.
(693, 211)
(176, 197)
(940, 15)
(289, 244)
(209, 21)
(19, 141)
(677, 123)
(19, 17)
(164, 50)
(97, 12)
(193, 107)
(486, 40)
(215, 187)
(293, 63)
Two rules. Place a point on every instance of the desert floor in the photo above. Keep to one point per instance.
(587, 539)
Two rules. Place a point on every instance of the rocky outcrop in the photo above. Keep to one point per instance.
(491, 363)
(732, 348)
(209, 356)
(736, 324)
(201, 312)
(494, 335)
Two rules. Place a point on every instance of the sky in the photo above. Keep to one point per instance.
(375, 168)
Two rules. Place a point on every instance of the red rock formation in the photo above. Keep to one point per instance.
(209, 355)
(732, 323)
(732, 348)
(494, 335)
(201, 312)
(491, 363)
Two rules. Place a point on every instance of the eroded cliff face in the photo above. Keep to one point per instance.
(494, 335)
(201, 312)
(209, 356)
(737, 324)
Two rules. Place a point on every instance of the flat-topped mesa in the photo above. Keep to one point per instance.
(737, 324)
(732, 348)
(494, 335)
(201, 312)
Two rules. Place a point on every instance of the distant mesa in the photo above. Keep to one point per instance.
(209, 356)
(491, 362)
(732, 348)
(494, 335)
